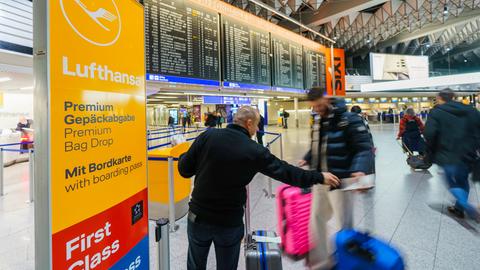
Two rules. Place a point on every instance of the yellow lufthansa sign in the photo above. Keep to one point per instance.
(98, 188)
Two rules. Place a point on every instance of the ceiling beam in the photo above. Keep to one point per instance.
(456, 51)
(333, 10)
(425, 31)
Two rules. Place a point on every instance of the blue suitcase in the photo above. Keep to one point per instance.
(360, 251)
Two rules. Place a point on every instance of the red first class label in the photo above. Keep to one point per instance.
(102, 240)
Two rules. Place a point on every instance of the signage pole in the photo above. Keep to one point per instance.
(90, 191)
(332, 56)
(41, 187)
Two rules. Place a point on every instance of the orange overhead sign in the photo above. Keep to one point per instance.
(336, 72)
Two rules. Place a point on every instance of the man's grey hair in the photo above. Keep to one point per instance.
(244, 114)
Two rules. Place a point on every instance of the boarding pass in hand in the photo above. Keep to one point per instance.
(364, 182)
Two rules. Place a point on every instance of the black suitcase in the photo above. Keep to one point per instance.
(416, 162)
(262, 251)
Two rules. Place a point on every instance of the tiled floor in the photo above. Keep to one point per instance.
(406, 208)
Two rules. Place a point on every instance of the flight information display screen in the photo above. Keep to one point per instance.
(287, 64)
(315, 70)
(246, 55)
(182, 41)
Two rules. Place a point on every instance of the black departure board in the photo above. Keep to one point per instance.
(323, 71)
(287, 64)
(246, 57)
(315, 73)
(181, 40)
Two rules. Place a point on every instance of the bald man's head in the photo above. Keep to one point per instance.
(247, 117)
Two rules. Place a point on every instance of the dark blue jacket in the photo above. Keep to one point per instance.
(349, 144)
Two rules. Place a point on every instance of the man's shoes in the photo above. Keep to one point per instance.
(456, 212)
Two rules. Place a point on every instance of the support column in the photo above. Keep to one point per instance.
(295, 104)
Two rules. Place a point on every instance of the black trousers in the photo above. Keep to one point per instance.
(226, 241)
(260, 138)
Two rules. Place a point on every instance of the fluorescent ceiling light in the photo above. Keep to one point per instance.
(27, 88)
(281, 97)
(168, 93)
(5, 79)
(160, 97)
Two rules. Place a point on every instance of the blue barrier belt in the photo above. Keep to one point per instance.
(161, 159)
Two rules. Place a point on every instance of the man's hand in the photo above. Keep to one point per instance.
(302, 163)
(330, 179)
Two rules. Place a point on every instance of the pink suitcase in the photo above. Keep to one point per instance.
(293, 208)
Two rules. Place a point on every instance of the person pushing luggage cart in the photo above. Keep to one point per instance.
(410, 132)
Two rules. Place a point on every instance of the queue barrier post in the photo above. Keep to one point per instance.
(2, 192)
(269, 193)
(162, 237)
(171, 195)
(31, 158)
(281, 146)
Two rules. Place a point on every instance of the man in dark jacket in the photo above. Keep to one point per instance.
(342, 145)
(261, 130)
(224, 161)
(211, 120)
(451, 133)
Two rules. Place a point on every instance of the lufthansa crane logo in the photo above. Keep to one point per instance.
(96, 21)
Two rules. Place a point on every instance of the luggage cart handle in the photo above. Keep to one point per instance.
(404, 146)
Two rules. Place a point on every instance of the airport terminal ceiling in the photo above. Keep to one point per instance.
(445, 30)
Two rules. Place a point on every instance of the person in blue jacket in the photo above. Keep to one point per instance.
(341, 144)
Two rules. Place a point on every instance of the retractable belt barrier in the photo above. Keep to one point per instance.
(278, 137)
(30, 169)
(156, 142)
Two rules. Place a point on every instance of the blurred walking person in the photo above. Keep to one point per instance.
(452, 135)
(211, 120)
(171, 122)
(285, 116)
(184, 122)
(410, 132)
(220, 120)
(342, 145)
(261, 130)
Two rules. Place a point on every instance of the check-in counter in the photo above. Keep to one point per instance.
(158, 179)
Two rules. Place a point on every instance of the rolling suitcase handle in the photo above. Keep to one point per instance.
(402, 144)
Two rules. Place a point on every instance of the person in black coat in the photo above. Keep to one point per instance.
(342, 145)
(285, 116)
(211, 120)
(261, 130)
(224, 162)
(452, 135)
(171, 122)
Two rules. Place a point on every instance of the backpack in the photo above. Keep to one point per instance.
(412, 126)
